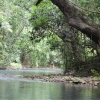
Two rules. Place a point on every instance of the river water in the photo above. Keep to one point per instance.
(13, 88)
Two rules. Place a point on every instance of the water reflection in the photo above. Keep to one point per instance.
(22, 89)
(10, 90)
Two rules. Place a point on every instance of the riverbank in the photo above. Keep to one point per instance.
(69, 78)
(88, 81)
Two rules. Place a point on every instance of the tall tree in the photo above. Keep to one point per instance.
(79, 20)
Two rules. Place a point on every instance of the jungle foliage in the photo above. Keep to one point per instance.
(36, 36)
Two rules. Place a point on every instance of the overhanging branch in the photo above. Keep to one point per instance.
(79, 20)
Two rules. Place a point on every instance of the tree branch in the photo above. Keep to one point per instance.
(84, 8)
(79, 20)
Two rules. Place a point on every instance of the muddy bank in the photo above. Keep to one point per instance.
(91, 81)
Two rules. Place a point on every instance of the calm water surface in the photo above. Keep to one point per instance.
(23, 89)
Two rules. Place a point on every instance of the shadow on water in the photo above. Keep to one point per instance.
(22, 89)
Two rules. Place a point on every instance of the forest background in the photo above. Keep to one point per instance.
(38, 36)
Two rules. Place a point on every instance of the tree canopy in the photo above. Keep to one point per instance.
(65, 32)
(77, 19)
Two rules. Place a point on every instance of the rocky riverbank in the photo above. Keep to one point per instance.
(91, 81)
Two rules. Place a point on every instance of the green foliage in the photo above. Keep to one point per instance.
(91, 8)
(0, 22)
(49, 20)
(55, 42)
(18, 65)
(51, 39)
(40, 21)
(95, 73)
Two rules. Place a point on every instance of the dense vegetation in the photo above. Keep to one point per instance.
(39, 36)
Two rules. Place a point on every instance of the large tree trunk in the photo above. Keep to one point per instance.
(79, 20)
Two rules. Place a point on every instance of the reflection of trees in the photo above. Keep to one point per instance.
(77, 92)
(46, 91)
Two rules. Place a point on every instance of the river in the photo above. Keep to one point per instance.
(13, 88)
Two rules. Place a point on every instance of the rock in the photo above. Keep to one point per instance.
(77, 80)
(96, 83)
(81, 80)
(90, 81)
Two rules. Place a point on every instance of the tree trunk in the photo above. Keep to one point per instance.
(79, 20)
(24, 59)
